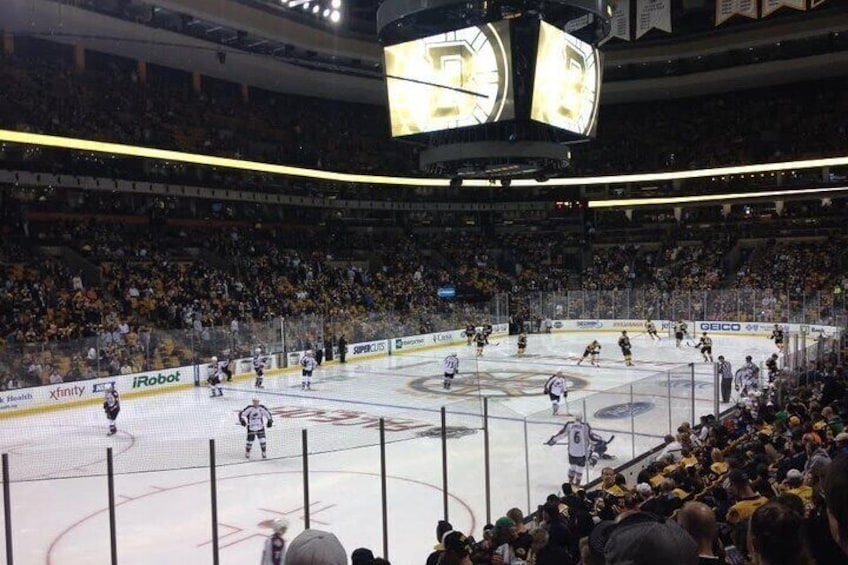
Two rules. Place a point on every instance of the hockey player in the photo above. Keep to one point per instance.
(680, 329)
(112, 406)
(487, 331)
(580, 438)
(773, 369)
(213, 378)
(592, 351)
(480, 339)
(274, 552)
(255, 418)
(470, 330)
(308, 363)
(556, 387)
(651, 329)
(706, 346)
(224, 368)
(777, 336)
(624, 344)
(259, 367)
(748, 377)
(522, 343)
(451, 368)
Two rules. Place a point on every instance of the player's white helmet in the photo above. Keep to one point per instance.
(280, 525)
(578, 416)
(214, 359)
(258, 350)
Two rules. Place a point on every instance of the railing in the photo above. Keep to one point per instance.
(741, 305)
(483, 452)
(111, 352)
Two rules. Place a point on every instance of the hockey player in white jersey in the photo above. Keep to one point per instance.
(308, 363)
(112, 406)
(274, 552)
(556, 387)
(747, 377)
(259, 361)
(580, 439)
(255, 418)
(213, 378)
(451, 369)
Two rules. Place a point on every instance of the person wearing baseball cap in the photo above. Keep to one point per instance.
(645, 539)
(747, 501)
(316, 547)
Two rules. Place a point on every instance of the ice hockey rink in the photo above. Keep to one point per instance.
(57, 459)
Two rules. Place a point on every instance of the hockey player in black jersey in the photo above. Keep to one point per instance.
(112, 406)
(624, 344)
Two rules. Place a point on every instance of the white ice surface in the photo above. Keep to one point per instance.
(164, 517)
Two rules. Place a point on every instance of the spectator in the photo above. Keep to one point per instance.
(362, 556)
(776, 536)
(836, 498)
(699, 520)
(644, 539)
(747, 501)
(316, 547)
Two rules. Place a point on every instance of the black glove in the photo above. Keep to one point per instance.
(551, 441)
(105, 407)
(242, 422)
(270, 423)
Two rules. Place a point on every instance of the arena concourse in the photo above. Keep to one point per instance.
(189, 292)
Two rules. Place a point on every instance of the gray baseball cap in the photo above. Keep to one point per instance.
(646, 539)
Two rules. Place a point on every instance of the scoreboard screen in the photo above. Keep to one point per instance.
(567, 82)
(451, 80)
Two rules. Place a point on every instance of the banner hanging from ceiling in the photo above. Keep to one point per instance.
(726, 9)
(652, 14)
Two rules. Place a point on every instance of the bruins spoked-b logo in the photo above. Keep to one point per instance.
(494, 384)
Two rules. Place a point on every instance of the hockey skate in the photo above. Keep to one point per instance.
(112, 432)
(264, 455)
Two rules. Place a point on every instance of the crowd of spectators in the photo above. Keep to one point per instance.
(768, 485)
(110, 101)
(162, 294)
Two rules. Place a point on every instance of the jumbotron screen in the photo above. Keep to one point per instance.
(450, 80)
(567, 82)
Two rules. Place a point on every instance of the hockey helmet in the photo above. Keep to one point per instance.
(280, 525)
(214, 359)
(578, 416)
(258, 350)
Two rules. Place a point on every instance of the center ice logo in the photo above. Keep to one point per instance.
(625, 410)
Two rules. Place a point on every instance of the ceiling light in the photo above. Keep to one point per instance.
(336, 4)
(335, 16)
(326, 12)
(316, 9)
(306, 6)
